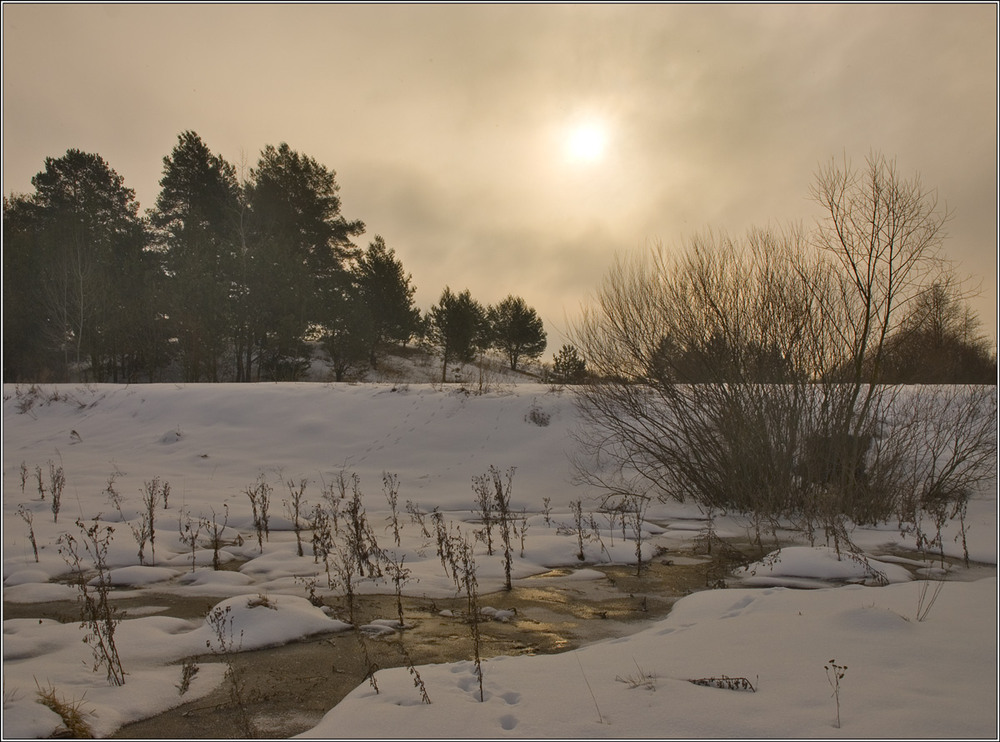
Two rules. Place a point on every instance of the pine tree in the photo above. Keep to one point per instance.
(568, 366)
(93, 267)
(458, 327)
(196, 219)
(386, 292)
(301, 245)
(517, 330)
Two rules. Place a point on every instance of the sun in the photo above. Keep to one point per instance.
(586, 141)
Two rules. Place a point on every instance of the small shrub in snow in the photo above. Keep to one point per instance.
(322, 535)
(577, 507)
(358, 536)
(151, 494)
(28, 517)
(399, 576)
(71, 712)
(643, 679)
(471, 585)
(418, 682)
(925, 603)
(417, 517)
(261, 601)
(293, 505)
(215, 531)
(189, 531)
(493, 492)
(485, 504)
(188, 670)
(227, 646)
(834, 674)
(726, 683)
(98, 613)
(538, 416)
(260, 499)
(41, 484)
(390, 488)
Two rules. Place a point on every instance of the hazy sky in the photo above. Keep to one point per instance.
(449, 127)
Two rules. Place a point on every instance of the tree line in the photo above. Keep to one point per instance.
(226, 278)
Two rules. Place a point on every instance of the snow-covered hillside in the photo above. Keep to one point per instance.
(211, 443)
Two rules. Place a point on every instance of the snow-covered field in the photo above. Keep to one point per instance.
(904, 677)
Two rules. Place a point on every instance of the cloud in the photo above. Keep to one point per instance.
(443, 122)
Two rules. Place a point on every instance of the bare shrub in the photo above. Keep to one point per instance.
(359, 536)
(189, 530)
(57, 481)
(152, 492)
(726, 683)
(390, 488)
(834, 674)
(538, 416)
(189, 668)
(745, 375)
(227, 646)
(576, 506)
(469, 582)
(293, 506)
(417, 517)
(642, 679)
(493, 495)
(259, 495)
(28, 517)
(40, 483)
(322, 535)
(98, 613)
(215, 531)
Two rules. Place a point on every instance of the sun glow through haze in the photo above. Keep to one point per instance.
(586, 141)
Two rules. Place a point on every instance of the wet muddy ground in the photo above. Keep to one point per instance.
(290, 688)
(286, 690)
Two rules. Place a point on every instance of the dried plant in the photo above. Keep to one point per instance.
(28, 517)
(390, 488)
(470, 583)
(577, 508)
(418, 682)
(260, 500)
(71, 712)
(215, 531)
(98, 613)
(57, 481)
(643, 679)
(189, 669)
(493, 496)
(417, 517)
(152, 492)
(726, 683)
(41, 484)
(359, 535)
(834, 674)
(293, 506)
(189, 531)
(227, 646)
